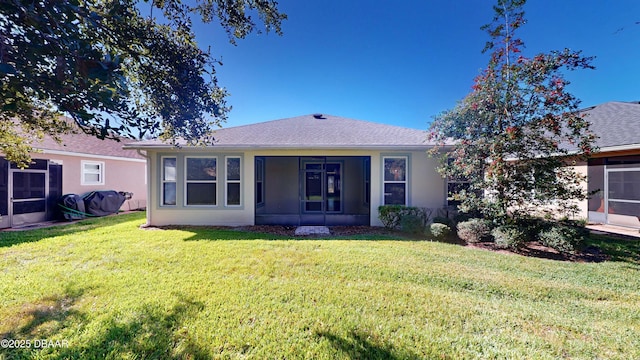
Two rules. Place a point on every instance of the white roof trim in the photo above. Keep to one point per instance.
(93, 156)
(278, 147)
(619, 148)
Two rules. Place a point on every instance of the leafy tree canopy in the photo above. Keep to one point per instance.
(519, 108)
(114, 70)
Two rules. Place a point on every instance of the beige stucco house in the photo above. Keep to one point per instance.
(80, 164)
(307, 170)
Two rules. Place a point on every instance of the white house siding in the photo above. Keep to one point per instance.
(426, 187)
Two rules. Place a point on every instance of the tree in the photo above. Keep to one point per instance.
(114, 71)
(515, 133)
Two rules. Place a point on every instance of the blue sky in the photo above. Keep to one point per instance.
(403, 62)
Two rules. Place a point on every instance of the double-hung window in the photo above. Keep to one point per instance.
(168, 181)
(233, 180)
(395, 180)
(201, 181)
(92, 173)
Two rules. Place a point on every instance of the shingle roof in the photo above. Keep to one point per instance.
(86, 144)
(309, 131)
(616, 124)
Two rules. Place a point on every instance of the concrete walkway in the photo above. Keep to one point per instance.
(312, 230)
(40, 225)
(612, 229)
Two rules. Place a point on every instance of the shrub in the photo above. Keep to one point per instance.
(412, 224)
(531, 226)
(474, 230)
(389, 215)
(564, 238)
(442, 220)
(465, 216)
(439, 231)
(509, 236)
(407, 218)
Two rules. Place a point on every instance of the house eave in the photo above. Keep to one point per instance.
(87, 155)
(160, 147)
(617, 148)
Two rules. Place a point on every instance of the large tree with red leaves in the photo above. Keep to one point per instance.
(517, 130)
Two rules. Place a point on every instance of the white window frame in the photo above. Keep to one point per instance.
(405, 181)
(187, 181)
(84, 172)
(163, 181)
(227, 181)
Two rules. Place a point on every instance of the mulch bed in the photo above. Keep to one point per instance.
(530, 249)
(340, 231)
(536, 249)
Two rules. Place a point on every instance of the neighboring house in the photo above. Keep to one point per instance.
(80, 164)
(614, 172)
(308, 170)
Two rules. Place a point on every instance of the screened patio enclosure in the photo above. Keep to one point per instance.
(615, 183)
(331, 190)
(28, 195)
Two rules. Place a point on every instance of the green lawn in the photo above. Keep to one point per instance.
(106, 289)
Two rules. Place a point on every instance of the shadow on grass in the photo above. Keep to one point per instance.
(148, 333)
(10, 238)
(199, 233)
(43, 319)
(357, 345)
(222, 233)
(617, 248)
(151, 333)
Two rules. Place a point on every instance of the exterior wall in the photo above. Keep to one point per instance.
(583, 206)
(426, 188)
(119, 175)
(181, 214)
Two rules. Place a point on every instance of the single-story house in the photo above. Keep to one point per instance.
(323, 169)
(80, 164)
(308, 170)
(614, 172)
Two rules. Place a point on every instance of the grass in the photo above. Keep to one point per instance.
(111, 290)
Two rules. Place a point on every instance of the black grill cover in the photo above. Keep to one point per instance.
(72, 207)
(101, 203)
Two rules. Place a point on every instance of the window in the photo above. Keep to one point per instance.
(201, 181)
(233, 174)
(455, 187)
(92, 173)
(259, 181)
(395, 180)
(168, 181)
